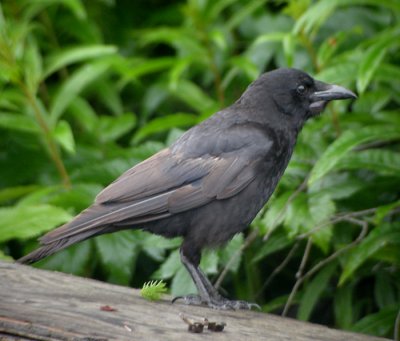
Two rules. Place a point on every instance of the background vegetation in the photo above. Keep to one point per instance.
(88, 89)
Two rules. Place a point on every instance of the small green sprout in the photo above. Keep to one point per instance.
(153, 290)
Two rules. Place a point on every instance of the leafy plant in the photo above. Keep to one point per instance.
(153, 290)
(89, 89)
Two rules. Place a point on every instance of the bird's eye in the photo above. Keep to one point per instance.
(301, 89)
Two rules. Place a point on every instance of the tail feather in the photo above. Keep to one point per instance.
(88, 220)
(95, 220)
(59, 244)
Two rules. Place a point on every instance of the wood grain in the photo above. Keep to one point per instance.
(44, 305)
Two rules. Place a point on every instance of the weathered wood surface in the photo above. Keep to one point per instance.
(43, 305)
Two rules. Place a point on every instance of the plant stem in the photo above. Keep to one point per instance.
(51, 145)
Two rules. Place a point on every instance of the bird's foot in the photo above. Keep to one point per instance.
(219, 303)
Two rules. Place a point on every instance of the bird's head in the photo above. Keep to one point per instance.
(295, 94)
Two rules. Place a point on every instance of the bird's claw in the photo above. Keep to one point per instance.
(219, 303)
(189, 299)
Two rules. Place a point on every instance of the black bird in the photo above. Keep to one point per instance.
(210, 184)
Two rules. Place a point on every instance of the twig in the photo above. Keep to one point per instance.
(279, 268)
(337, 219)
(304, 260)
(321, 264)
(298, 276)
(250, 238)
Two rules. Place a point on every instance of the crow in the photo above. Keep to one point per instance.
(210, 184)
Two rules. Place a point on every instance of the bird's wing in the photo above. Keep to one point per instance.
(168, 184)
(162, 172)
(160, 187)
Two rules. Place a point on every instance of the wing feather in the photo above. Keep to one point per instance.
(158, 174)
(160, 187)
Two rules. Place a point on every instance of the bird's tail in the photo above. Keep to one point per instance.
(53, 247)
(88, 224)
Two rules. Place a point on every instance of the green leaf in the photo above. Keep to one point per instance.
(385, 291)
(216, 7)
(276, 242)
(111, 128)
(33, 65)
(77, 198)
(383, 210)
(369, 64)
(18, 122)
(315, 16)
(180, 38)
(298, 218)
(195, 97)
(209, 262)
(107, 93)
(340, 73)
(306, 212)
(270, 37)
(82, 111)
(327, 49)
(13, 193)
(321, 208)
(23, 222)
(63, 134)
(376, 240)
(69, 56)
(337, 185)
(247, 66)
(170, 267)
(244, 13)
(276, 212)
(379, 324)
(75, 6)
(278, 303)
(229, 251)
(117, 252)
(182, 283)
(156, 246)
(176, 74)
(140, 67)
(74, 85)
(165, 123)
(345, 143)
(76, 259)
(314, 291)
(379, 160)
(343, 306)
(289, 43)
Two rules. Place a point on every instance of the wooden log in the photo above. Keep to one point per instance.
(43, 305)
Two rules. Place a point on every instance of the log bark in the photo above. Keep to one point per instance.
(43, 305)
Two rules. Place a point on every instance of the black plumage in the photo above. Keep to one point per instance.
(211, 183)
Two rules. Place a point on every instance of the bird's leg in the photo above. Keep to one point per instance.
(207, 294)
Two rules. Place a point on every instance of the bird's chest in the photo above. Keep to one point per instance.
(273, 167)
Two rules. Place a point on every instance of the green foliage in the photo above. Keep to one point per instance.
(27, 221)
(153, 290)
(89, 89)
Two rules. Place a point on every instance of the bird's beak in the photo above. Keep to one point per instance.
(325, 93)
